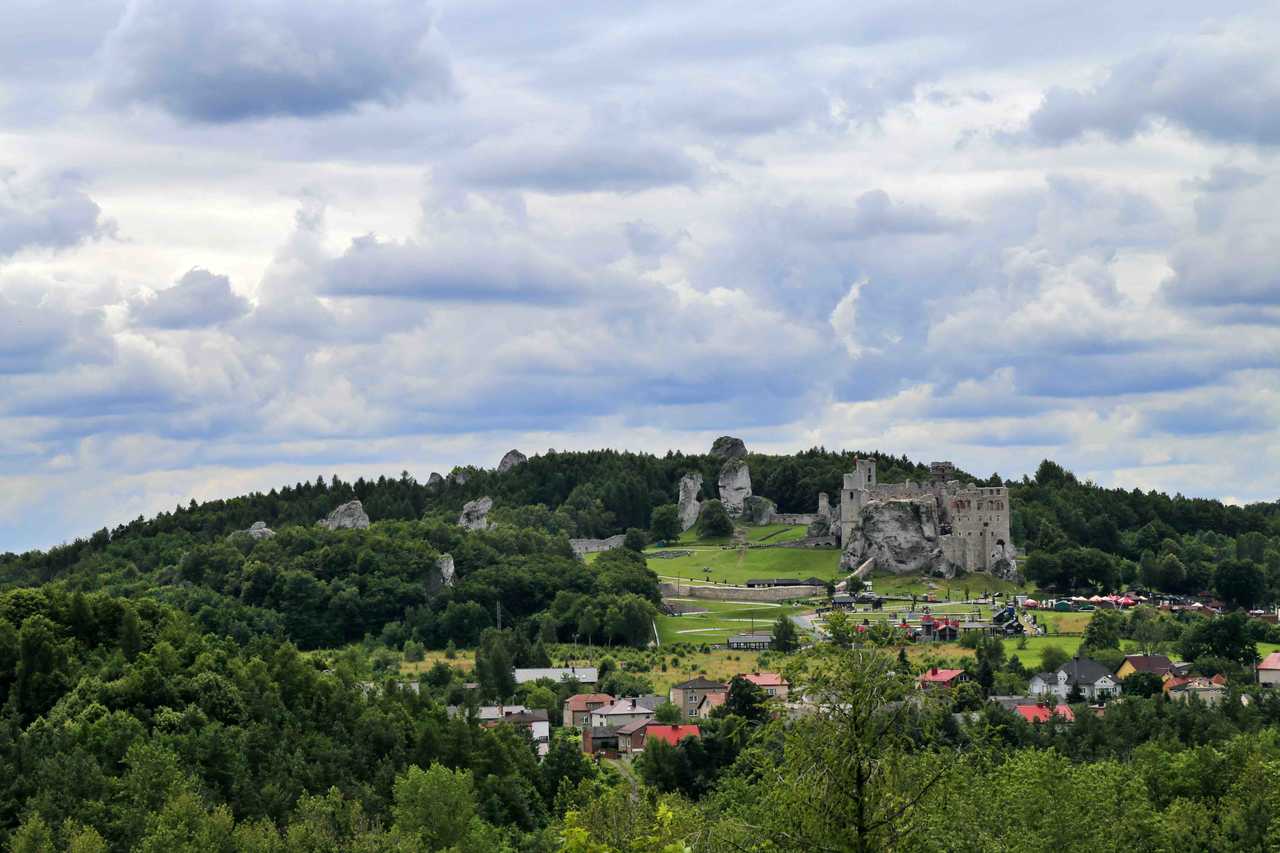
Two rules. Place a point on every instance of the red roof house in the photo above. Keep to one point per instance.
(1042, 714)
(671, 734)
(935, 677)
(771, 683)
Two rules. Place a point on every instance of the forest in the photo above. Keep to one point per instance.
(174, 684)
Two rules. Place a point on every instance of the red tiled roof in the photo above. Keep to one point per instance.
(1271, 661)
(671, 734)
(766, 679)
(582, 700)
(1041, 714)
(939, 676)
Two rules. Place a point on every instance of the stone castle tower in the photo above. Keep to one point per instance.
(967, 526)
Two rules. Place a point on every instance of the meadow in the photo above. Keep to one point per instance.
(710, 564)
(721, 620)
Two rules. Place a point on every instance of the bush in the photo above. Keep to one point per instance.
(714, 521)
(413, 651)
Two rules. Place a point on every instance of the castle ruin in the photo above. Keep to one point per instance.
(942, 526)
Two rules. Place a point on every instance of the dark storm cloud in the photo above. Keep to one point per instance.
(198, 299)
(247, 59)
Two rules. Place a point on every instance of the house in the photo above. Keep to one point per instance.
(1269, 670)
(581, 674)
(944, 678)
(751, 642)
(600, 740)
(710, 702)
(687, 694)
(1043, 714)
(773, 684)
(534, 722)
(1154, 664)
(1093, 679)
(623, 711)
(1210, 691)
(842, 600)
(578, 708)
(486, 713)
(671, 734)
(631, 736)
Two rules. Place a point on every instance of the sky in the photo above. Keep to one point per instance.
(247, 243)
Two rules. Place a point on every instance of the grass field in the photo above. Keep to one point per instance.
(736, 566)
(721, 620)
(1058, 623)
(774, 533)
(976, 584)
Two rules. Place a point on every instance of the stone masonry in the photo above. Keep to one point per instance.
(942, 525)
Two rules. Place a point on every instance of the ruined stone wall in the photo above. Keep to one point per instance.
(794, 518)
(741, 593)
(594, 546)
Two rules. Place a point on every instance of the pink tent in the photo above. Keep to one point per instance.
(1127, 602)
(1094, 599)
(1032, 603)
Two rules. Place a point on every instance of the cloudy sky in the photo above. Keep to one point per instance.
(248, 242)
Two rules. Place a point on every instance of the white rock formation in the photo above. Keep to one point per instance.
(435, 481)
(257, 530)
(735, 485)
(511, 460)
(901, 535)
(445, 564)
(349, 516)
(475, 514)
(690, 488)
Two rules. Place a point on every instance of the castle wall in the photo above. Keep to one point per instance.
(975, 519)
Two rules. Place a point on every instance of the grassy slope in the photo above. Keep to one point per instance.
(736, 566)
(722, 619)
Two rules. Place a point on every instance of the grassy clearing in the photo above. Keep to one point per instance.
(774, 533)
(1063, 623)
(721, 620)
(736, 566)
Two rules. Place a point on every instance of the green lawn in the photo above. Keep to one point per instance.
(721, 620)
(736, 566)
(976, 584)
(774, 533)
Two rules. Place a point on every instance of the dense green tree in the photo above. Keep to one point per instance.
(1239, 582)
(714, 521)
(785, 636)
(664, 524)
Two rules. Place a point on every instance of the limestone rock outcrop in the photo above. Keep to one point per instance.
(435, 481)
(511, 460)
(582, 547)
(445, 564)
(757, 509)
(257, 531)
(349, 516)
(458, 477)
(901, 535)
(475, 514)
(690, 488)
(735, 485)
(727, 447)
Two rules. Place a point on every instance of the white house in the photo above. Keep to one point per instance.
(1094, 680)
(534, 721)
(1269, 670)
(624, 711)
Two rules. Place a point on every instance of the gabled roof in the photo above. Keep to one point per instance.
(700, 683)
(533, 715)
(626, 707)
(1271, 661)
(1157, 664)
(583, 674)
(766, 679)
(580, 701)
(1084, 671)
(714, 699)
(671, 734)
(1041, 714)
(939, 676)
